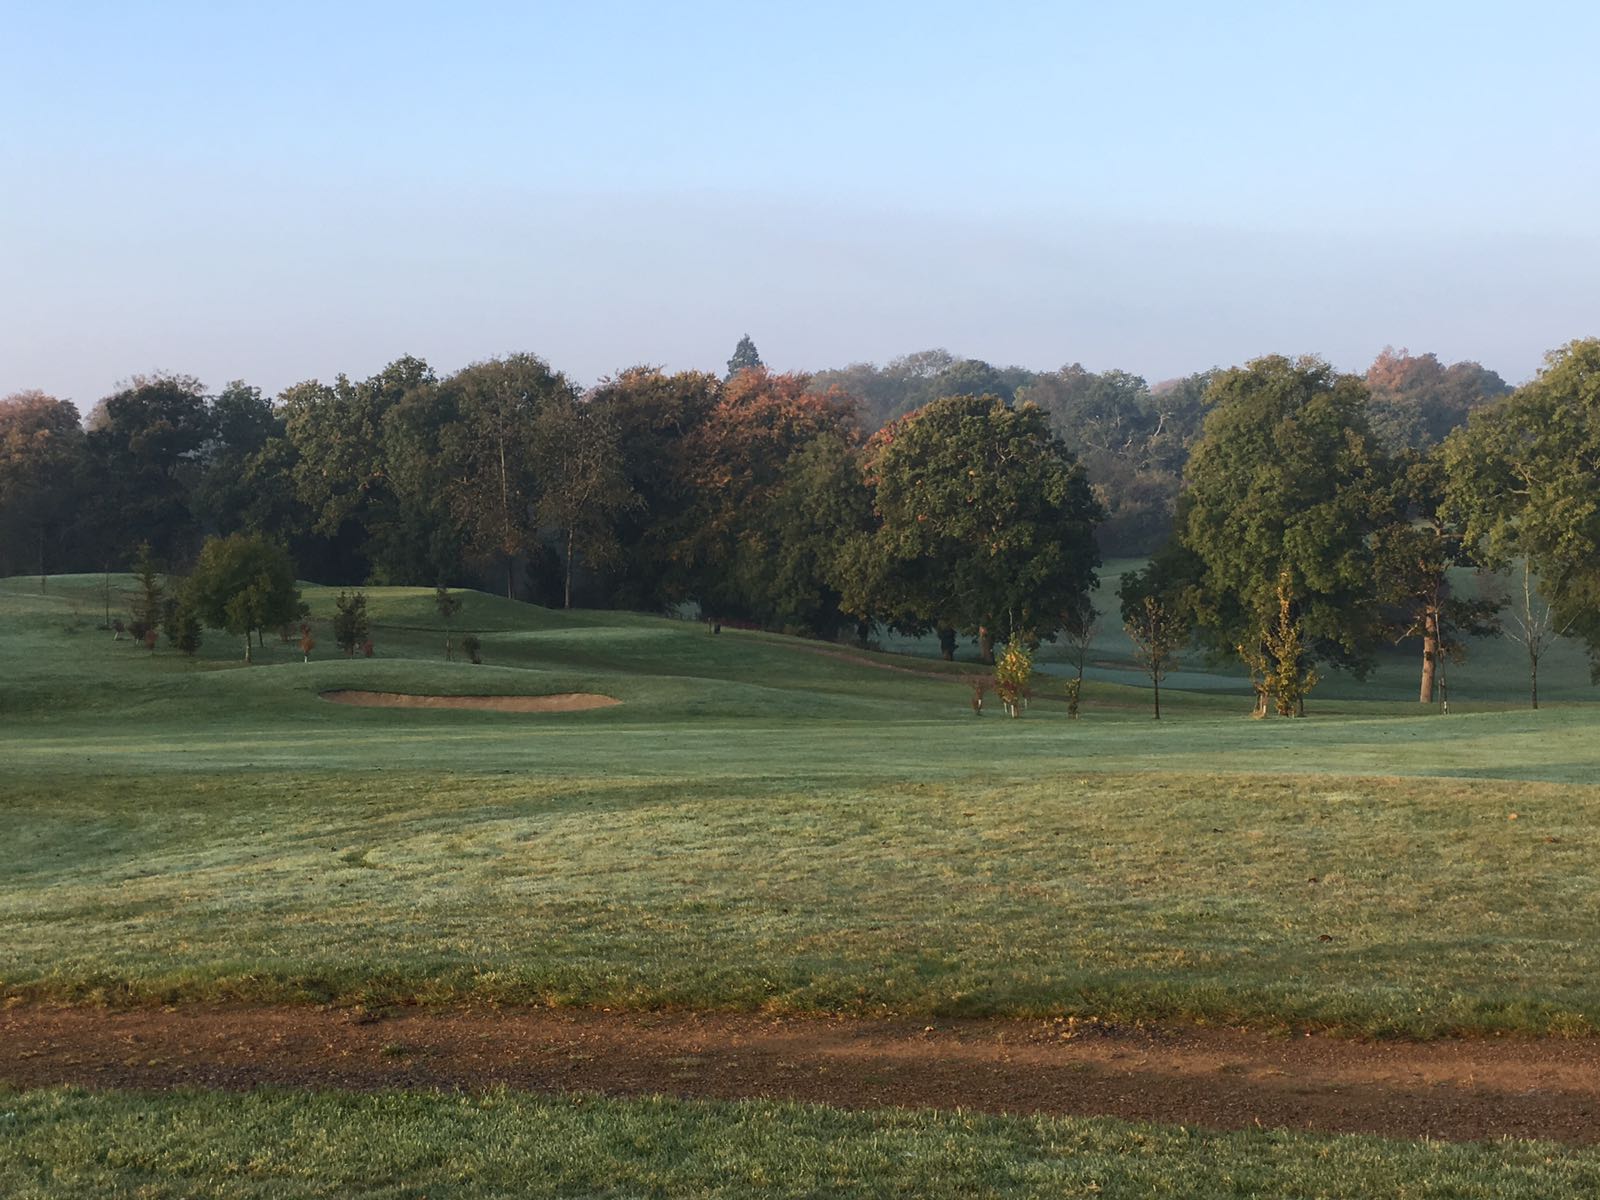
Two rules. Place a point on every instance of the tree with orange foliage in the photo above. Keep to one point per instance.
(739, 459)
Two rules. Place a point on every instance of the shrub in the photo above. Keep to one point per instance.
(470, 646)
(1012, 674)
(350, 622)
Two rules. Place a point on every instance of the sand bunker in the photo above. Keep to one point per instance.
(561, 702)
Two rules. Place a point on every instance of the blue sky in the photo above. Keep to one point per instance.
(283, 191)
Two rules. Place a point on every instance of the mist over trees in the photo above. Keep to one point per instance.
(1286, 508)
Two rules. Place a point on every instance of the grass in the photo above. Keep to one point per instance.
(270, 1145)
(764, 823)
(1376, 906)
(761, 824)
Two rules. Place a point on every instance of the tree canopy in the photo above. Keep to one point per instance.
(1524, 479)
(243, 584)
(1283, 489)
(986, 522)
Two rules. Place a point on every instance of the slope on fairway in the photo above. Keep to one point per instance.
(769, 823)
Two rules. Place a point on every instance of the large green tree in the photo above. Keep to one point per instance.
(228, 494)
(1283, 494)
(657, 417)
(244, 585)
(424, 538)
(490, 450)
(41, 465)
(1415, 548)
(145, 443)
(584, 483)
(789, 552)
(340, 465)
(986, 523)
(1524, 478)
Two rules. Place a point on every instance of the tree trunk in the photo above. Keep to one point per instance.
(566, 596)
(985, 646)
(1430, 653)
(1156, 685)
(863, 632)
(1533, 679)
(247, 648)
(42, 586)
(510, 570)
(947, 644)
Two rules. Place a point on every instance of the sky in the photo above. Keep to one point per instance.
(287, 191)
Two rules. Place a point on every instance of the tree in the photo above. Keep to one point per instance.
(585, 484)
(986, 523)
(447, 606)
(901, 386)
(1156, 624)
(1415, 547)
(790, 553)
(420, 534)
(492, 457)
(147, 598)
(41, 461)
(974, 377)
(1079, 625)
(1283, 492)
(1287, 676)
(350, 624)
(144, 447)
(182, 626)
(1530, 620)
(745, 358)
(1013, 673)
(738, 460)
(1524, 481)
(1417, 400)
(242, 584)
(657, 418)
(242, 423)
(339, 462)
(1133, 441)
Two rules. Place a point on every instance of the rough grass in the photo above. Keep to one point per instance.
(762, 825)
(1379, 906)
(272, 1145)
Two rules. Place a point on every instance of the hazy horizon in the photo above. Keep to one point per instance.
(292, 194)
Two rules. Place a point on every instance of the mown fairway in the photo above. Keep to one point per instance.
(764, 823)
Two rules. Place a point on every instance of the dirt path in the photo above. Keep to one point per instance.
(1222, 1079)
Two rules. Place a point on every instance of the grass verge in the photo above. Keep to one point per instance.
(272, 1145)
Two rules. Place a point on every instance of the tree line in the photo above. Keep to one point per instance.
(1298, 517)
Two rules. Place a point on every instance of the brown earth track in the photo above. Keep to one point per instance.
(1222, 1079)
